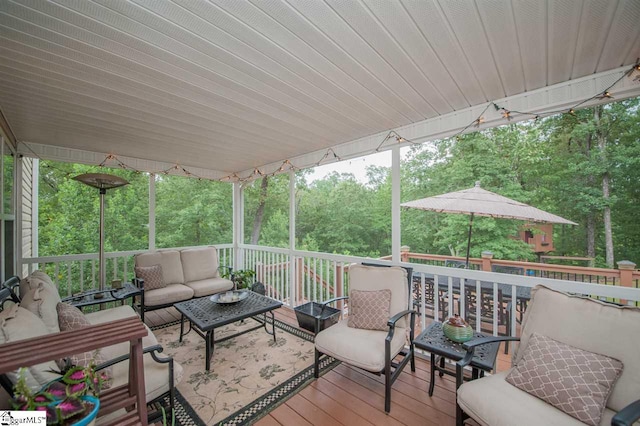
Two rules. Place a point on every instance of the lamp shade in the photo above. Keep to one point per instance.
(101, 180)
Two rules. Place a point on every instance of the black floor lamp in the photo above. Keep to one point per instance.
(102, 182)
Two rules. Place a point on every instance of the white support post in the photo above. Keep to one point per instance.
(395, 204)
(35, 206)
(152, 212)
(238, 225)
(16, 201)
(293, 276)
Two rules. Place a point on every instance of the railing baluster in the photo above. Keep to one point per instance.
(81, 276)
(479, 302)
(69, 292)
(423, 299)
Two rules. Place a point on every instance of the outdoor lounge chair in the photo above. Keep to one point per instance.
(373, 349)
(550, 384)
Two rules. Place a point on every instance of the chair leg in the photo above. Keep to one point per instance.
(460, 416)
(387, 389)
(316, 364)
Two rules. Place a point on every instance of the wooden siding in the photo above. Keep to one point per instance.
(27, 209)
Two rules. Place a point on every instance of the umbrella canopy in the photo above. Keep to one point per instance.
(480, 202)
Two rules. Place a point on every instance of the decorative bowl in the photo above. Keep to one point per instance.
(229, 297)
(457, 329)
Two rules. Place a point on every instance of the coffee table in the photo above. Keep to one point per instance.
(433, 340)
(205, 316)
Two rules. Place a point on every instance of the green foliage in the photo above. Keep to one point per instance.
(69, 213)
(191, 212)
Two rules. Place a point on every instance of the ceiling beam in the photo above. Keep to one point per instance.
(544, 101)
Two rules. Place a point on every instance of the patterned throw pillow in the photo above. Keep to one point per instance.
(72, 318)
(571, 379)
(369, 309)
(152, 276)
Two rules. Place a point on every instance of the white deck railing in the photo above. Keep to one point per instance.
(296, 277)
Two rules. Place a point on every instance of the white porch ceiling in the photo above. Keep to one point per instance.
(229, 85)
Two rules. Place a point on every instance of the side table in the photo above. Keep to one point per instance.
(88, 298)
(433, 340)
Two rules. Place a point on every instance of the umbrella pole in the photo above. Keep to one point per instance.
(469, 240)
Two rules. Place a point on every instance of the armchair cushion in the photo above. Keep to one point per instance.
(358, 347)
(152, 276)
(575, 381)
(369, 310)
(593, 326)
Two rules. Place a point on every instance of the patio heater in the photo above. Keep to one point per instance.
(103, 182)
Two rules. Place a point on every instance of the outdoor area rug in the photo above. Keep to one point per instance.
(250, 374)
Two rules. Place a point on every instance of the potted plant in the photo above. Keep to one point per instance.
(71, 400)
(242, 278)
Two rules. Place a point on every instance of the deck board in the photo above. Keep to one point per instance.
(350, 396)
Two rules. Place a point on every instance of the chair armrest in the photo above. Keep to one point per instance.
(392, 325)
(628, 415)
(335, 299)
(394, 319)
(228, 268)
(138, 282)
(11, 285)
(153, 349)
(471, 346)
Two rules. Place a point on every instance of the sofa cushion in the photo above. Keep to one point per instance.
(492, 401)
(593, 326)
(575, 381)
(358, 347)
(71, 318)
(31, 282)
(170, 294)
(155, 374)
(209, 286)
(170, 261)
(152, 276)
(17, 323)
(113, 314)
(199, 263)
(42, 301)
(369, 309)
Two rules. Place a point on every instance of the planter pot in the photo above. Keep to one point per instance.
(89, 419)
(312, 317)
(457, 330)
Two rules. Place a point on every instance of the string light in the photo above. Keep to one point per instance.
(605, 95)
(287, 165)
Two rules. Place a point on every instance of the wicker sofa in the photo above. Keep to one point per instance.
(584, 328)
(36, 314)
(186, 274)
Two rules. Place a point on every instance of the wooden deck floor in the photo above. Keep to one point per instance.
(349, 396)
